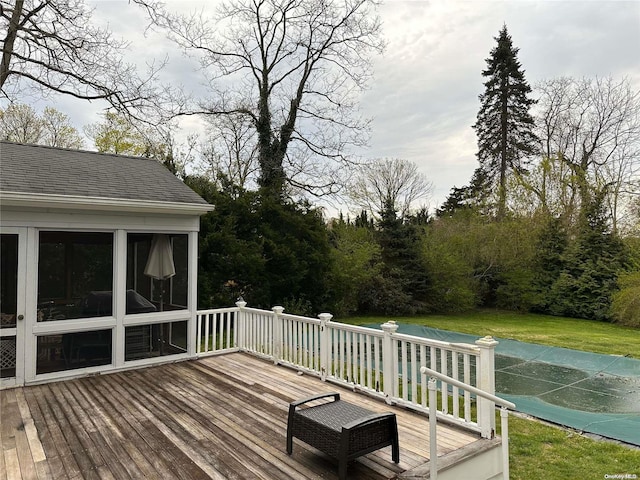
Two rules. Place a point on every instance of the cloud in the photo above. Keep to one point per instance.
(423, 98)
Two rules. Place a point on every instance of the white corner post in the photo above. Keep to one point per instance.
(389, 364)
(325, 345)
(486, 381)
(239, 328)
(276, 336)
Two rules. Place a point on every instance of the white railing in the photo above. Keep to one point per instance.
(215, 330)
(381, 363)
(433, 424)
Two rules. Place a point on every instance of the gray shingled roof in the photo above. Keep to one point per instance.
(56, 171)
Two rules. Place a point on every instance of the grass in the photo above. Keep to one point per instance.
(585, 335)
(539, 450)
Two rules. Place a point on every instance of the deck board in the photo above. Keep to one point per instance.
(221, 417)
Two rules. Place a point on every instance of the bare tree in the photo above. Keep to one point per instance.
(552, 180)
(163, 146)
(52, 46)
(634, 217)
(231, 149)
(20, 123)
(590, 134)
(293, 68)
(621, 177)
(389, 183)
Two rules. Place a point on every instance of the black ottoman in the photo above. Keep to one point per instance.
(341, 430)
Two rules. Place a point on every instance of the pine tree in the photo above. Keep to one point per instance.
(551, 244)
(589, 275)
(408, 281)
(504, 126)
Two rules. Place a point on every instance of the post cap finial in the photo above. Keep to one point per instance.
(389, 326)
(487, 341)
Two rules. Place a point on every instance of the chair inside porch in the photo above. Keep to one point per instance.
(220, 417)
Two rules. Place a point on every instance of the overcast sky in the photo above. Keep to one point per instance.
(424, 95)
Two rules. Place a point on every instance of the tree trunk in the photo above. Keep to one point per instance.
(7, 45)
(269, 156)
(502, 187)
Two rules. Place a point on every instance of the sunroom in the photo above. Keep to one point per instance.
(98, 263)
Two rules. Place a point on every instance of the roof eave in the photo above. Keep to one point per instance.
(127, 205)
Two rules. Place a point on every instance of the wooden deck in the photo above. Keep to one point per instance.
(222, 417)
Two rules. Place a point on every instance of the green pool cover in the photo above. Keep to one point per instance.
(590, 392)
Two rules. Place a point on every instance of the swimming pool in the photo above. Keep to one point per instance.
(589, 392)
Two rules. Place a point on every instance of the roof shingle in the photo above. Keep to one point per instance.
(56, 171)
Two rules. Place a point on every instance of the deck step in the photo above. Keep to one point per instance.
(480, 460)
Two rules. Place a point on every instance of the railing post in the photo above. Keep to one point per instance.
(198, 333)
(487, 382)
(277, 340)
(325, 347)
(504, 423)
(433, 427)
(239, 328)
(389, 368)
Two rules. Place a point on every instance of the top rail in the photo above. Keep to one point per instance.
(212, 311)
(258, 311)
(345, 327)
(481, 393)
(455, 347)
(298, 318)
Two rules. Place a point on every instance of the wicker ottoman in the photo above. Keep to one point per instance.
(341, 430)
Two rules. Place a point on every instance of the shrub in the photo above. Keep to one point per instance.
(625, 307)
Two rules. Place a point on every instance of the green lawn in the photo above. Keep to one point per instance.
(538, 450)
(586, 335)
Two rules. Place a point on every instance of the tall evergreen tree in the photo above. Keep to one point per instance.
(504, 126)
